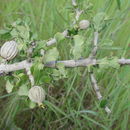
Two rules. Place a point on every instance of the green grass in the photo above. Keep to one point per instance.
(71, 104)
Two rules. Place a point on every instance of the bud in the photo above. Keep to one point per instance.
(9, 50)
(42, 52)
(37, 94)
(84, 24)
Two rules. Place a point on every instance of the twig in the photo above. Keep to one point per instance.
(72, 63)
(95, 45)
(74, 3)
(96, 87)
(31, 78)
(78, 12)
(92, 77)
(97, 90)
(53, 40)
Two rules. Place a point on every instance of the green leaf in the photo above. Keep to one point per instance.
(114, 63)
(24, 32)
(59, 37)
(4, 31)
(14, 33)
(22, 45)
(17, 22)
(38, 63)
(46, 79)
(103, 103)
(23, 91)
(32, 105)
(40, 45)
(5, 34)
(109, 62)
(60, 72)
(78, 48)
(98, 21)
(73, 31)
(51, 55)
(118, 4)
(9, 87)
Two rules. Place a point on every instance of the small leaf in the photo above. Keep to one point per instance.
(14, 33)
(51, 55)
(5, 34)
(73, 31)
(9, 87)
(77, 49)
(32, 105)
(60, 72)
(59, 37)
(23, 91)
(38, 63)
(40, 66)
(109, 62)
(103, 103)
(114, 63)
(24, 32)
(46, 79)
(99, 21)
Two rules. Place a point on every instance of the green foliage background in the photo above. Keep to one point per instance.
(71, 102)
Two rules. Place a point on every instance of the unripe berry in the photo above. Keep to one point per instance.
(84, 24)
(9, 50)
(42, 52)
(37, 94)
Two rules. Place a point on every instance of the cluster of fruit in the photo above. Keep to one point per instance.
(8, 51)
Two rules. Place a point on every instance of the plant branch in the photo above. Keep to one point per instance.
(78, 12)
(53, 40)
(97, 90)
(31, 78)
(74, 3)
(95, 45)
(92, 77)
(5, 68)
